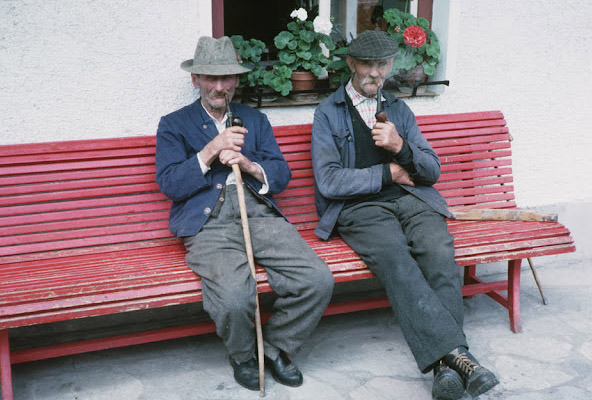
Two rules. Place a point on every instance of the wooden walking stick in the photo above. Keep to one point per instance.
(536, 280)
(236, 121)
(501, 214)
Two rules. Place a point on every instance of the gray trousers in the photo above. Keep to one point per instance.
(408, 246)
(302, 281)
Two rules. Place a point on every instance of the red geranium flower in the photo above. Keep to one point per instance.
(414, 36)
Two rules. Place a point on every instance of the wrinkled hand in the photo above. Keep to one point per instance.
(399, 175)
(231, 139)
(385, 135)
(230, 158)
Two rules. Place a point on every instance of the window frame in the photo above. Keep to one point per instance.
(424, 9)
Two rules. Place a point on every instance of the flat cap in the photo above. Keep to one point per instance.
(372, 45)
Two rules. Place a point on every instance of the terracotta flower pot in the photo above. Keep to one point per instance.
(406, 78)
(303, 80)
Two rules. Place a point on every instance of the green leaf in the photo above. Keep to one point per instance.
(286, 58)
(282, 39)
(305, 55)
(433, 50)
(428, 69)
(424, 23)
(317, 70)
(307, 36)
(327, 41)
(293, 26)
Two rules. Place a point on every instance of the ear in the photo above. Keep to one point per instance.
(351, 63)
(195, 80)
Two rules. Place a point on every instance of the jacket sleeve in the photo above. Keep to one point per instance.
(424, 158)
(267, 154)
(178, 173)
(333, 179)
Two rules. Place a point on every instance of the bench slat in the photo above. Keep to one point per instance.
(28, 220)
(63, 176)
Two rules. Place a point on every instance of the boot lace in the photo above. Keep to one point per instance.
(465, 364)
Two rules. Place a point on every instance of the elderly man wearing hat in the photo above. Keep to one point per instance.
(374, 187)
(194, 154)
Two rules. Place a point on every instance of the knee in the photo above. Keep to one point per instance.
(322, 281)
(232, 304)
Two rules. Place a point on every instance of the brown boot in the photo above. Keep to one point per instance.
(477, 379)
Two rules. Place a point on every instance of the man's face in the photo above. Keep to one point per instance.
(213, 89)
(368, 75)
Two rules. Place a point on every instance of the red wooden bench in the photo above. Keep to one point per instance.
(83, 230)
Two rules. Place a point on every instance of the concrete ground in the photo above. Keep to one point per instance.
(358, 356)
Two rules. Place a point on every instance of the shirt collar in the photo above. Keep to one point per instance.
(355, 96)
(220, 125)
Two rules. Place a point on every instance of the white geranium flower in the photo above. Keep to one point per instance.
(322, 25)
(324, 49)
(301, 14)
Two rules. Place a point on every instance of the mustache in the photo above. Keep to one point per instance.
(368, 80)
(220, 94)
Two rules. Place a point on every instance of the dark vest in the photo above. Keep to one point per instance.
(367, 155)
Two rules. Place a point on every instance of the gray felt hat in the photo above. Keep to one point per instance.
(214, 57)
(372, 45)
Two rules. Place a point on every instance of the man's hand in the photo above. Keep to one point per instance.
(385, 135)
(230, 157)
(231, 139)
(399, 175)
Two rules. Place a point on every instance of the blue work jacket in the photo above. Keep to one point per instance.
(181, 135)
(333, 160)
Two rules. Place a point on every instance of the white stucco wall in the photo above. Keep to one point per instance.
(72, 69)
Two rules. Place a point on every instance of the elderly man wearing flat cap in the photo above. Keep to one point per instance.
(374, 188)
(194, 155)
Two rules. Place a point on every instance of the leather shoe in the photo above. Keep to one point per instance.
(448, 385)
(246, 373)
(284, 371)
(477, 379)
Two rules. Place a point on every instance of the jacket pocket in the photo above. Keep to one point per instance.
(341, 139)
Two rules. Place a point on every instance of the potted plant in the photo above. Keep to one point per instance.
(419, 50)
(250, 52)
(305, 46)
(278, 78)
(338, 69)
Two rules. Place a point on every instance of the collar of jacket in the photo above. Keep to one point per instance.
(341, 93)
(202, 120)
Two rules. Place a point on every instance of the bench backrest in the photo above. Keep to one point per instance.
(93, 196)
(474, 151)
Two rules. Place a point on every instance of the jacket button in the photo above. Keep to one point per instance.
(218, 186)
(207, 210)
(221, 199)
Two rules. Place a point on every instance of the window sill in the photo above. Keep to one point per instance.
(264, 98)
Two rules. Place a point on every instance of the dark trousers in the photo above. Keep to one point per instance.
(302, 281)
(408, 246)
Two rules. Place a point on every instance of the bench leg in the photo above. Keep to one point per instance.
(514, 294)
(470, 276)
(5, 366)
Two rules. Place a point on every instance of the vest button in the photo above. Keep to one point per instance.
(207, 210)
(218, 186)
